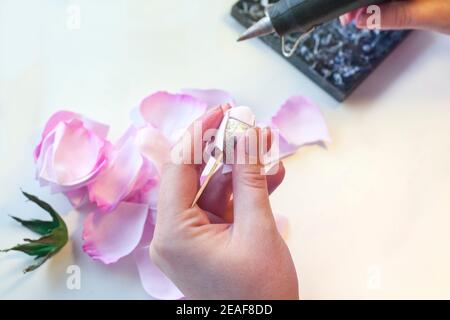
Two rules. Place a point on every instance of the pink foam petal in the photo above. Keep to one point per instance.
(212, 97)
(99, 129)
(47, 173)
(171, 113)
(300, 122)
(78, 197)
(54, 120)
(77, 154)
(44, 168)
(280, 149)
(154, 146)
(285, 148)
(114, 183)
(129, 134)
(145, 185)
(109, 237)
(154, 281)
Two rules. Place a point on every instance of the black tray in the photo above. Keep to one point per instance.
(336, 58)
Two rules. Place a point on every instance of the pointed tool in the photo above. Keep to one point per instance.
(288, 16)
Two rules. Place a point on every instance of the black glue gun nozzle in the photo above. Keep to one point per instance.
(261, 28)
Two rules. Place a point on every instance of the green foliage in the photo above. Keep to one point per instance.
(54, 235)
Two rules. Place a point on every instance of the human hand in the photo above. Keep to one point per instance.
(227, 246)
(431, 15)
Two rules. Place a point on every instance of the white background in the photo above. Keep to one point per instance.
(368, 218)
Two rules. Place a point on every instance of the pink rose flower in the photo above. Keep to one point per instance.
(71, 152)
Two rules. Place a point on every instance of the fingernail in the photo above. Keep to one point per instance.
(213, 110)
(253, 144)
(212, 117)
(361, 21)
(343, 19)
(219, 109)
(225, 107)
(248, 137)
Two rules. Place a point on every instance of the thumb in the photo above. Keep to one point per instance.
(393, 15)
(250, 192)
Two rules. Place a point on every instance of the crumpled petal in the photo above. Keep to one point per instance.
(43, 162)
(212, 97)
(145, 187)
(299, 122)
(154, 281)
(154, 146)
(97, 128)
(109, 237)
(78, 197)
(70, 155)
(76, 152)
(171, 113)
(114, 183)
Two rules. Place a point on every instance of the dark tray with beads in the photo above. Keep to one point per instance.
(336, 58)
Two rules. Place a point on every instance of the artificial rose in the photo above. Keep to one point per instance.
(71, 152)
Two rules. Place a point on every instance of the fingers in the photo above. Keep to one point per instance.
(403, 14)
(350, 16)
(177, 189)
(217, 194)
(250, 190)
(193, 143)
(219, 190)
(394, 15)
(179, 182)
(275, 180)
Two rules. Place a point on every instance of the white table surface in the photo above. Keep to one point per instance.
(368, 218)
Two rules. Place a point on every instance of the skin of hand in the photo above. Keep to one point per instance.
(227, 246)
(431, 15)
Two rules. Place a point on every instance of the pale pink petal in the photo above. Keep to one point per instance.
(44, 172)
(129, 134)
(154, 146)
(171, 113)
(70, 156)
(114, 183)
(299, 122)
(145, 185)
(285, 148)
(154, 281)
(71, 152)
(77, 153)
(109, 237)
(99, 129)
(212, 97)
(78, 197)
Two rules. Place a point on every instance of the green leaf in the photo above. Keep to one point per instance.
(54, 235)
(38, 226)
(34, 249)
